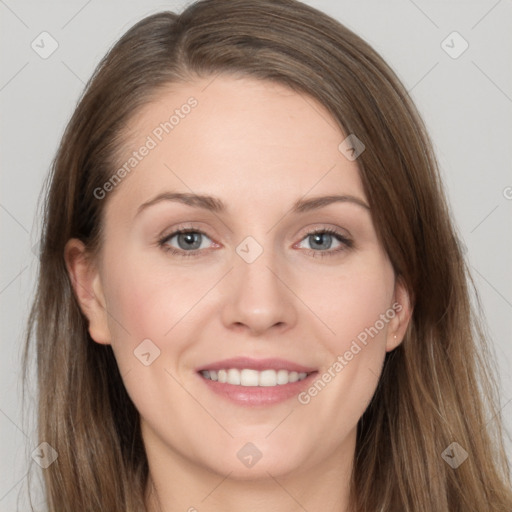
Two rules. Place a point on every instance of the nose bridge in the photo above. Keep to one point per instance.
(260, 300)
(259, 276)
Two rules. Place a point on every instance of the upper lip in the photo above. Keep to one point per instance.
(256, 364)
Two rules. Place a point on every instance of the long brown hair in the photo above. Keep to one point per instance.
(436, 388)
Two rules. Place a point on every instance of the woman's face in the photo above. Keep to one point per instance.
(292, 285)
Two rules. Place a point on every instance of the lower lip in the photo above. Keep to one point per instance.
(258, 395)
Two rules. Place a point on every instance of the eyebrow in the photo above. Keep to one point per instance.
(216, 205)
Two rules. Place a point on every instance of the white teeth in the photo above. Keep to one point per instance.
(268, 378)
(233, 376)
(249, 377)
(282, 377)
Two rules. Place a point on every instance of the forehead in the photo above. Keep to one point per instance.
(241, 139)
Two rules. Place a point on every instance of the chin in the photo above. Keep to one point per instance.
(247, 460)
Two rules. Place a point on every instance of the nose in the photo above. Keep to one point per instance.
(259, 298)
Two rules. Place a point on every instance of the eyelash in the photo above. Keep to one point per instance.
(346, 243)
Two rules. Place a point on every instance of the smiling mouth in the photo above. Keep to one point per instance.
(254, 378)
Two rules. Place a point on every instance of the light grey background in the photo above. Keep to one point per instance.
(466, 103)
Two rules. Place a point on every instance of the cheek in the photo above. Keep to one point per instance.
(144, 303)
(156, 302)
(352, 301)
(355, 309)
(139, 304)
(145, 291)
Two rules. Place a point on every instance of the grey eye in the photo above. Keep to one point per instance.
(187, 241)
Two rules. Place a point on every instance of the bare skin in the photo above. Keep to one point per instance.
(258, 147)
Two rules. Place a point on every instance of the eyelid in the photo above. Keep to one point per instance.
(164, 238)
(182, 228)
(345, 241)
(311, 229)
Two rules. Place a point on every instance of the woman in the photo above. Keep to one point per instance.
(251, 295)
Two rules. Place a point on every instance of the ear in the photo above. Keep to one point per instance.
(87, 286)
(403, 309)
